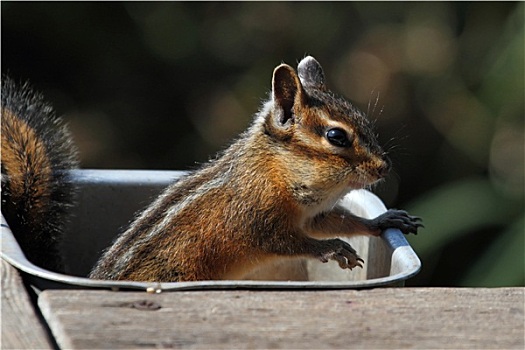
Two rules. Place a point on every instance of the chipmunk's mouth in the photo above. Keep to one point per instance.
(362, 183)
(362, 177)
(358, 184)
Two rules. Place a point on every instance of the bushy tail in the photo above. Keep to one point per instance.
(37, 152)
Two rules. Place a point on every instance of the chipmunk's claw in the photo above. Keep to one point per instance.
(343, 253)
(399, 219)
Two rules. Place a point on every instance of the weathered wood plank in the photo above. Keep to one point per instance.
(21, 328)
(379, 318)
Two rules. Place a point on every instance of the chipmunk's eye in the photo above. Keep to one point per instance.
(338, 137)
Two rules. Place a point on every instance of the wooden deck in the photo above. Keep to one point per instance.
(386, 318)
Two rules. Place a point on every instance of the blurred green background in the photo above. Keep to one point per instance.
(165, 85)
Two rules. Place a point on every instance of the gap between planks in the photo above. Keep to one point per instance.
(20, 324)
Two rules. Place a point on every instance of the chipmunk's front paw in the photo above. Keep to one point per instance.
(341, 252)
(399, 219)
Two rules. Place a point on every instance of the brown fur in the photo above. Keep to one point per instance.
(34, 153)
(37, 153)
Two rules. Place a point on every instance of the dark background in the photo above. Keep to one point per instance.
(164, 85)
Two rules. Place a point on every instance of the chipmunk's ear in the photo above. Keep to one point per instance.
(311, 73)
(287, 91)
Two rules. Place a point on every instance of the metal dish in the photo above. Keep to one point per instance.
(108, 200)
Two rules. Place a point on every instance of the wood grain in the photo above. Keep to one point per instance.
(378, 318)
(20, 325)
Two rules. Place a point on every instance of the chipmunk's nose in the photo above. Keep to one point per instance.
(384, 169)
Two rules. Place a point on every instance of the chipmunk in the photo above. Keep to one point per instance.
(271, 195)
(37, 151)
